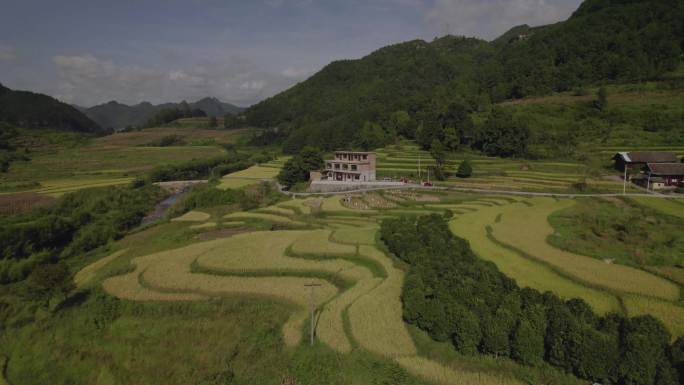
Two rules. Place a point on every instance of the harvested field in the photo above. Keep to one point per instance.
(192, 216)
(334, 204)
(526, 230)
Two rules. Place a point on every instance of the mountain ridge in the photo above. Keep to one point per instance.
(33, 110)
(116, 115)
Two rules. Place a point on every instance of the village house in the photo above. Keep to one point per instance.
(658, 176)
(635, 161)
(349, 166)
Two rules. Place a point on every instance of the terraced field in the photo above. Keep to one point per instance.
(513, 236)
(358, 301)
(495, 173)
(321, 240)
(251, 175)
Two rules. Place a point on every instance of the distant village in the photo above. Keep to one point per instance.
(652, 170)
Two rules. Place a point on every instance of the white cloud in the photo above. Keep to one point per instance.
(293, 72)
(88, 80)
(491, 18)
(7, 53)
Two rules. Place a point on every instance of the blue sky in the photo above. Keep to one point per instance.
(91, 51)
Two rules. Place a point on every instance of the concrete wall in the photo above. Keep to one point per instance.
(332, 186)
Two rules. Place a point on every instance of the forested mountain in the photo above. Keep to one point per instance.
(117, 115)
(31, 110)
(413, 84)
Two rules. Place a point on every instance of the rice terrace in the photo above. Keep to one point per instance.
(266, 193)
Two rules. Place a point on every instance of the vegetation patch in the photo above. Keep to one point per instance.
(619, 232)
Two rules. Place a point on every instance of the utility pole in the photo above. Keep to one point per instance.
(419, 156)
(312, 306)
(648, 185)
(624, 182)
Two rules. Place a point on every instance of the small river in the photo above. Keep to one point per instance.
(161, 208)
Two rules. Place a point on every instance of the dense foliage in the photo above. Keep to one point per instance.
(31, 110)
(455, 296)
(399, 88)
(81, 221)
(297, 168)
(206, 168)
(8, 151)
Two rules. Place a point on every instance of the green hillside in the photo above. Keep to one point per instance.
(31, 110)
(610, 42)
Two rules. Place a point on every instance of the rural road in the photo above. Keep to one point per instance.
(483, 191)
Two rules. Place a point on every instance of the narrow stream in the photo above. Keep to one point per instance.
(161, 208)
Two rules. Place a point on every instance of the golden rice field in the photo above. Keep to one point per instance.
(473, 227)
(87, 274)
(265, 264)
(527, 229)
(249, 176)
(361, 307)
(671, 315)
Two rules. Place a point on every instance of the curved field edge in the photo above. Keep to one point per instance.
(342, 322)
(527, 230)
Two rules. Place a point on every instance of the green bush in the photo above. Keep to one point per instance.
(465, 170)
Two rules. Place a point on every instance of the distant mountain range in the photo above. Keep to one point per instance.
(116, 115)
(31, 110)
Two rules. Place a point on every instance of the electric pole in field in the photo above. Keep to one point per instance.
(312, 306)
(624, 182)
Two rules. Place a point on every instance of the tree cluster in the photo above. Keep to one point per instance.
(297, 168)
(455, 296)
(81, 221)
(168, 115)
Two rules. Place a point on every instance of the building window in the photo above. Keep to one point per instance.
(345, 167)
(356, 177)
(353, 167)
(337, 166)
(365, 157)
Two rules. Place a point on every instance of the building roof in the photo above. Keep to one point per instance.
(648, 157)
(355, 152)
(667, 169)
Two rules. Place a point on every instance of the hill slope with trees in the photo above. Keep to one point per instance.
(32, 110)
(399, 88)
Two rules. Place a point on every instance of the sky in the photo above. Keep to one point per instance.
(88, 52)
